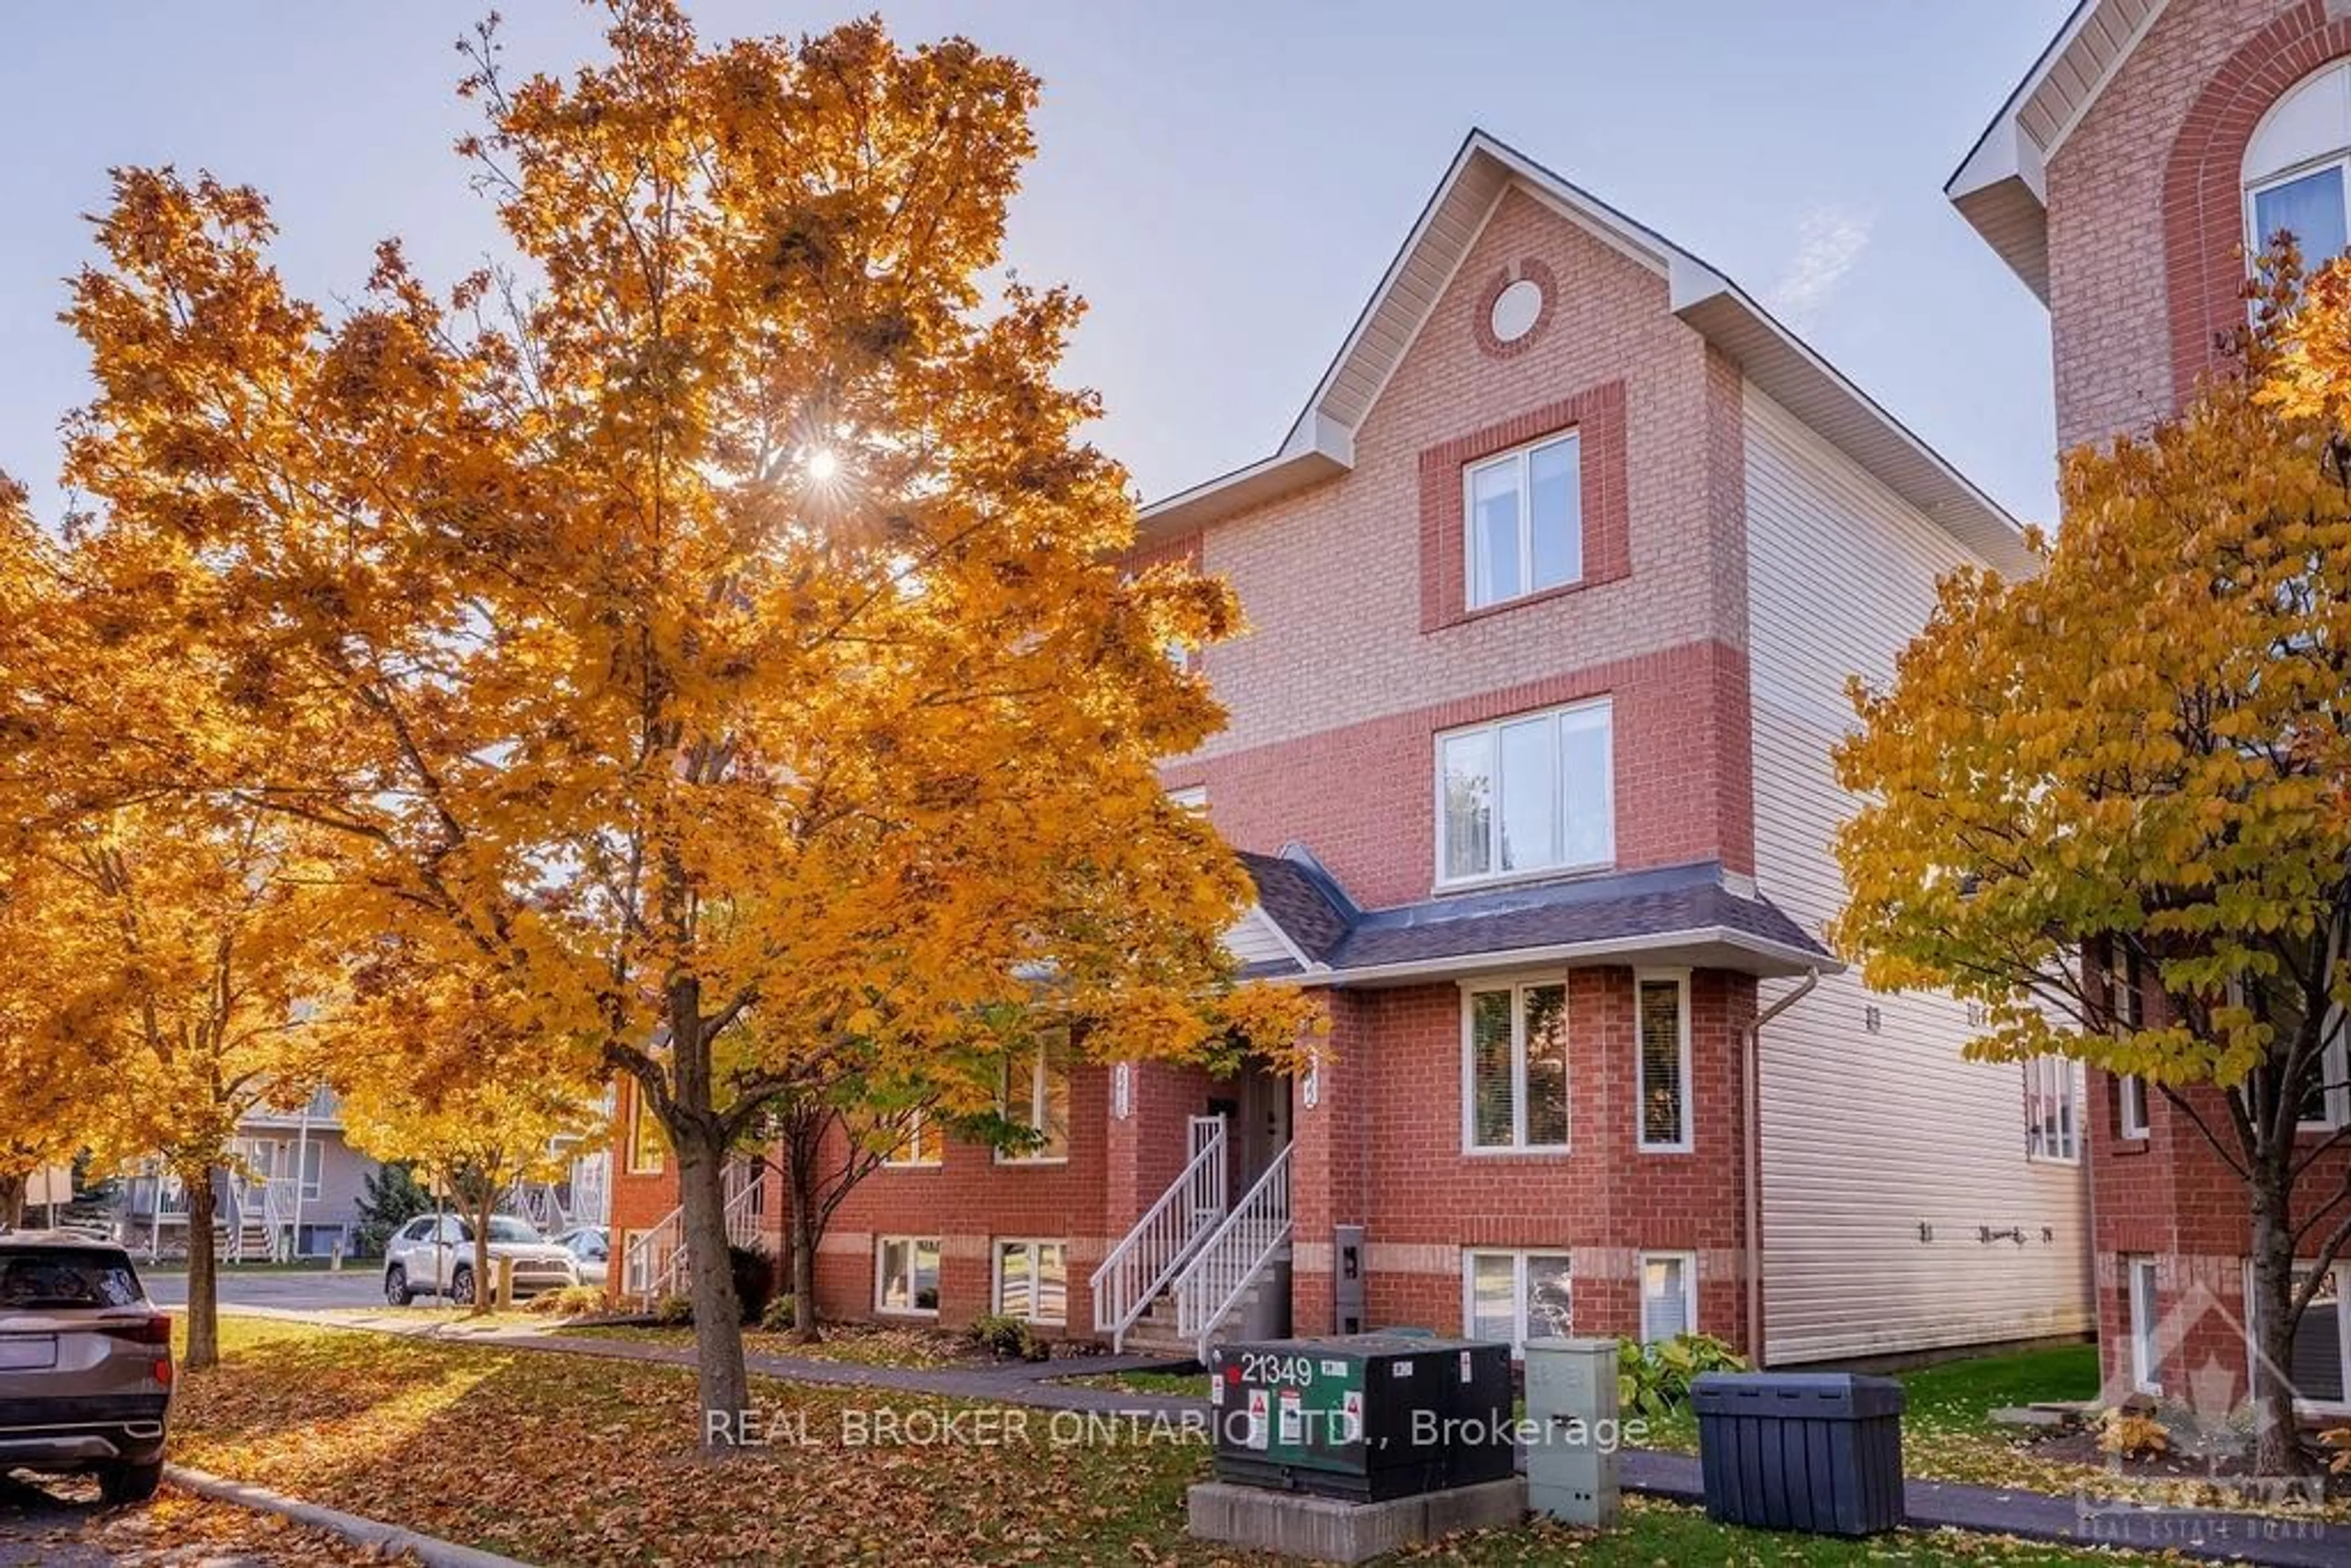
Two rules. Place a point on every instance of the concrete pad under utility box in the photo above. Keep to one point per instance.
(1296, 1524)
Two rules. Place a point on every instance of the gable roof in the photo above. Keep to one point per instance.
(1320, 444)
(1694, 913)
(2001, 185)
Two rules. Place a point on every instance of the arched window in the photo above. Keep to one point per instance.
(2296, 168)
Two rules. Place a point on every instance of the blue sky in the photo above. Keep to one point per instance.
(1224, 180)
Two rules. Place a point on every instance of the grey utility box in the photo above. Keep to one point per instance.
(1571, 1437)
(1812, 1451)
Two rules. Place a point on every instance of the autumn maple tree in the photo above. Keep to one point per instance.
(714, 613)
(440, 1070)
(2136, 761)
(171, 950)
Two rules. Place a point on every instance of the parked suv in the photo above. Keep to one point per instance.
(430, 1257)
(85, 1363)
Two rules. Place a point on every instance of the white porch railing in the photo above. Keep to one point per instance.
(1229, 1261)
(541, 1204)
(260, 1219)
(1143, 1264)
(656, 1259)
(591, 1188)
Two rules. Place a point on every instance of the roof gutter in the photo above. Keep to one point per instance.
(1790, 960)
(1751, 1115)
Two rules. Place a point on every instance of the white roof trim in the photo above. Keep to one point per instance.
(1320, 444)
(1256, 914)
(2001, 185)
(1706, 945)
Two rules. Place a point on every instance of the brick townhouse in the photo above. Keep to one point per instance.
(1553, 588)
(2125, 181)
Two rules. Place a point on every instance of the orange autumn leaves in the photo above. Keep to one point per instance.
(2147, 738)
(709, 623)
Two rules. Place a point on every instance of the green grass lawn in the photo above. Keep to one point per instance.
(1947, 1431)
(562, 1460)
(1191, 1385)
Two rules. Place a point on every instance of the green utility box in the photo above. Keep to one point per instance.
(1362, 1417)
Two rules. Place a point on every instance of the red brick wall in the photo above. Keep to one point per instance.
(2203, 204)
(2146, 259)
(1363, 796)
(1383, 1148)
(1351, 589)
(2144, 207)
(1597, 416)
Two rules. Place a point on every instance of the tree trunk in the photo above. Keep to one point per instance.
(203, 1277)
(802, 1242)
(2277, 1443)
(12, 1200)
(719, 1375)
(484, 1298)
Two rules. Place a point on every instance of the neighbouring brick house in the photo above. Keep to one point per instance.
(2151, 148)
(1553, 590)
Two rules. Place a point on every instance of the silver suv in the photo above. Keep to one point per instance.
(429, 1257)
(85, 1363)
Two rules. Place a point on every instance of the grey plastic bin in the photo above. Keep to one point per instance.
(1813, 1451)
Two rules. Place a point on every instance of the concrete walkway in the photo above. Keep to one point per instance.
(2272, 1541)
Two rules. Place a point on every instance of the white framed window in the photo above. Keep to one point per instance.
(906, 1274)
(2326, 1105)
(1516, 1296)
(1526, 795)
(2127, 982)
(2320, 1374)
(2294, 169)
(1037, 1095)
(2053, 1107)
(2130, 1106)
(2146, 1358)
(1514, 1084)
(1668, 1295)
(920, 1145)
(1523, 521)
(1032, 1280)
(1662, 1061)
(1192, 796)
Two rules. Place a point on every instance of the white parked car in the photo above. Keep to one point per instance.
(418, 1262)
(590, 1247)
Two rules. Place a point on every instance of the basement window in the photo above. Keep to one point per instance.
(906, 1274)
(1516, 1296)
(1032, 1281)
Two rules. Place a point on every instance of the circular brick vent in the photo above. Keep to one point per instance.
(1516, 307)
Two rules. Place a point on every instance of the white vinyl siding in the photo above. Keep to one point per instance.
(1869, 1136)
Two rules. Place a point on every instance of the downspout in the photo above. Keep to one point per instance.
(1751, 1094)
